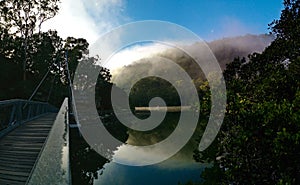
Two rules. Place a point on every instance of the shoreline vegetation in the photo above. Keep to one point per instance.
(259, 141)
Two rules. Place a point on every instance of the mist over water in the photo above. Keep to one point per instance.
(181, 167)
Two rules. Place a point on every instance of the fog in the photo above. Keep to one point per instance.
(225, 50)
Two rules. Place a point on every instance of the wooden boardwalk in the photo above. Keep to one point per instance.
(20, 149)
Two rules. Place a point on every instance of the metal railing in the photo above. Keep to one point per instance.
(15, 112)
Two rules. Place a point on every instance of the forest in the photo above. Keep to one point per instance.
(259, 142)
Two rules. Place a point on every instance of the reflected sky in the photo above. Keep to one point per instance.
(116, 174)
(179, 168)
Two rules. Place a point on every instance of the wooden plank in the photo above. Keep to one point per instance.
(13, 178)
(32, 130)
(16, 167)
(17, 162)
(15, 173)
(9, 182)
(20, 149)
(17, 159)
(12, 140)
(20, 144)
(20, 154)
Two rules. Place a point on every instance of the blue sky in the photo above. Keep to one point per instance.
(210, 19)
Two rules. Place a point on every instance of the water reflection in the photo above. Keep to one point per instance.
(90, 168)
(85, 162)
(160, 174)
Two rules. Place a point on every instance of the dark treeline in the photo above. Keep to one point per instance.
(224, 50)
(27, 53)
(259, 140)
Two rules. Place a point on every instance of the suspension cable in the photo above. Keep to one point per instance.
(39, 85)
(71, 92)
(41, 82)
(51, 88)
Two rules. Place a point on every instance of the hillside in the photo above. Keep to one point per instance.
(225, 50)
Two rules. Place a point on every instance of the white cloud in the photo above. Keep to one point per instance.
(87, 18)
(129, 55)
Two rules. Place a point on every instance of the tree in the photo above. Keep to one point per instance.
(24, 17)
(259, 142)
(47, 51)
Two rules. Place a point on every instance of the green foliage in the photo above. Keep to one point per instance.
(25, 16)
(20, 23)
(146, 89)
(259, 142)
(23, 19)
(21, 38)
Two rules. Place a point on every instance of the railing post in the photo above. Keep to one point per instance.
(12, 114)
(29, 111)
(16, 112)
(19, 112)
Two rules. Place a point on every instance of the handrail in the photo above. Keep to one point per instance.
(14, 112)
(55, 151)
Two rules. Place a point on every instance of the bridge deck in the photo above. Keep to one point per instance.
(20, 149)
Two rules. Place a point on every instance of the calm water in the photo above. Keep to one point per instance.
(162, 173)
(91, 168)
